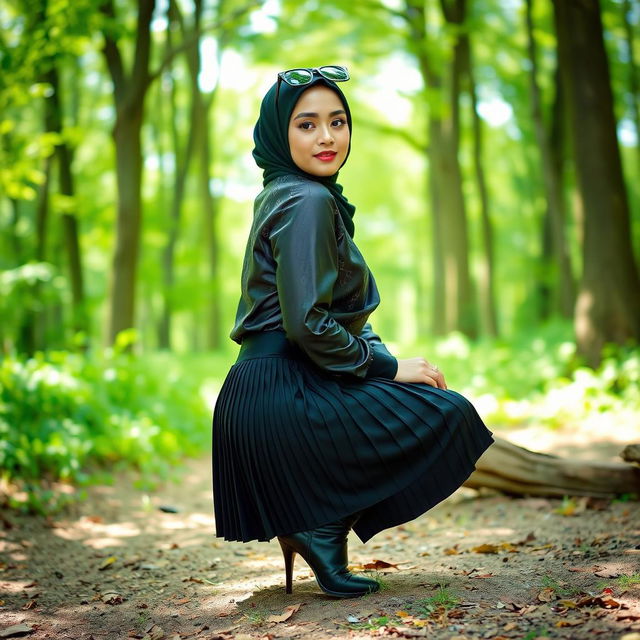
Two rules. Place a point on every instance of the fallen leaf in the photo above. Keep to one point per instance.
(288, 612)
(16, 630)
(452, 551)
(567, 604)
(547, 595)
(153, 632)
(403, 632)
(112, 598)
(607, 574)
(540, 548)
(483, 575)
(569, 622)
(380, 565)
(528, 609)
(530, 538)
(96, 519)
(107, 563)
(605, 602)
(353, 619)
(510, 626)
(485, 548)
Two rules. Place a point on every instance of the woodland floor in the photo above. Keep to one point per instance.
(477, 566)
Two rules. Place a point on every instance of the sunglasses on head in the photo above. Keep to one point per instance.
(302, 76)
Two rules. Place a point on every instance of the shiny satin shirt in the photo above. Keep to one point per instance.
(303, 273)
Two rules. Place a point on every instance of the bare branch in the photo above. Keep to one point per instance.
(112, 52)
(388, 130)
(197, 33)
(143, 41)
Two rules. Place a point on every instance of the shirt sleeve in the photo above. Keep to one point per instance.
(306, 254)
(384, 365)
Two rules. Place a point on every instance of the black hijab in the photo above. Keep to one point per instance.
(271, 137)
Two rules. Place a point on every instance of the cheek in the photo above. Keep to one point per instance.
(296, 143)
(344, 137)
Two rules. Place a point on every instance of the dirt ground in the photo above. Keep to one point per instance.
(118, 566)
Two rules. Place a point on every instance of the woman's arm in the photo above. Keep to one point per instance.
(387, 363)
(306, 253)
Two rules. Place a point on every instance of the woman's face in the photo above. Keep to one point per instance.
(318, 132)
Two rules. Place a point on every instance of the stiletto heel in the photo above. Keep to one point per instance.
(289, 558)
(324, 549)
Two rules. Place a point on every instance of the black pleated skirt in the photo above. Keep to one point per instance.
(295, 447)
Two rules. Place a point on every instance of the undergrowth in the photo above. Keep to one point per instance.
(75, 418)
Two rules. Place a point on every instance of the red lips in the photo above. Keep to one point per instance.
(325, 156)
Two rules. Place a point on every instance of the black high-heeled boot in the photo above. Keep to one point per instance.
(325, 550)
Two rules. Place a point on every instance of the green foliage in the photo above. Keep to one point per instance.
(536, 377)
(443, 598)
(65, 416)
(623, 582)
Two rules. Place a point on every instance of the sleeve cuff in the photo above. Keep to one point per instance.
(383, 365)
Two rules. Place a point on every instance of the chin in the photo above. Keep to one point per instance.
(324, 171)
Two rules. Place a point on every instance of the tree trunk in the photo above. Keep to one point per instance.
(454, 307)
(634, 83)
(182, 164)
(126, 135)
(558, 269)
(487, 280)
(512, 469)
(129, 91)
(64, 155)
(201, 124)
(608, 307)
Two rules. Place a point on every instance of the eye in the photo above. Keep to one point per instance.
(338, 122)
(306, 126)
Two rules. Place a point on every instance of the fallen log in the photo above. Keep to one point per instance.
(631, 453)
(515, 470)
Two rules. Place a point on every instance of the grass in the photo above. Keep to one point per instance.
(551, 583)
(622, 582)
(257, 617)
(442, 599)
(378, 577)
(537, 633)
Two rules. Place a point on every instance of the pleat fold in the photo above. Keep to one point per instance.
(295, 448)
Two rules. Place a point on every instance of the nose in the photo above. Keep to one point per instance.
(325, 135)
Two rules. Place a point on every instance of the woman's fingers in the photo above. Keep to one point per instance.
(437, 376)
(420, 370)
(430, 381)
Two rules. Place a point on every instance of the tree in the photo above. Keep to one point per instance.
(555, 218)
(608, 306)
(129, 91)
(453, 304)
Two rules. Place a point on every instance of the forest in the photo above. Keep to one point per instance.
(494, 167)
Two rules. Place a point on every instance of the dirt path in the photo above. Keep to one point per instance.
(489, 567)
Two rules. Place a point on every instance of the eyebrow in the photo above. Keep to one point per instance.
(311, 114)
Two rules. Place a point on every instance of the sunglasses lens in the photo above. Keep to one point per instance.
(337, 74)
(297, 77)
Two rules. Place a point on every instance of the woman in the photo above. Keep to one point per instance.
(318, 429)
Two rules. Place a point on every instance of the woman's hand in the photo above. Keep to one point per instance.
(420, 370)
